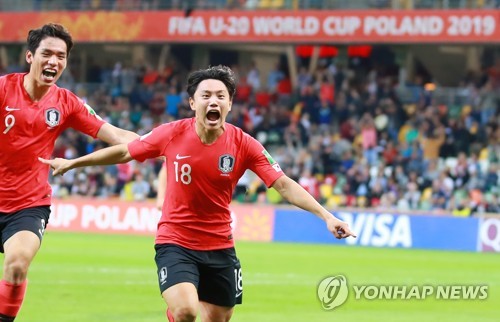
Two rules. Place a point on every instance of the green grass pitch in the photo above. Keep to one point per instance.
(91, 277)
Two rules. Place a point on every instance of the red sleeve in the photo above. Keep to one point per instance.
(82, 117)
(261, 162)
(2, 89)
(150, 145)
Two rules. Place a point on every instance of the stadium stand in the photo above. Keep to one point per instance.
(353, 134)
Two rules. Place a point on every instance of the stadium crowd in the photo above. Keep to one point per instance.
(343, 132)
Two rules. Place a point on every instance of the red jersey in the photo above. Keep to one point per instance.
(28, 130)
(201, 179)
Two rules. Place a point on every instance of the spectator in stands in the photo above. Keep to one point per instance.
(274, 77)
(309, 183)
(139, 187)
(173, 100)
(253, 77)
(369, 139)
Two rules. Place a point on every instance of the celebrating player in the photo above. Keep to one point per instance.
(35, 111)
(198, 271)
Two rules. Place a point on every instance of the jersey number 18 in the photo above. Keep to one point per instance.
(185, 174)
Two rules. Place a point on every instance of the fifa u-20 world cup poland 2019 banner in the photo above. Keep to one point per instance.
(327, 26)
(254, 223)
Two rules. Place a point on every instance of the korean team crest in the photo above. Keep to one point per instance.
(226, 163)
(52, 117)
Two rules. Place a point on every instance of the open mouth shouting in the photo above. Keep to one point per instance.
(49, 75)
(213, 117)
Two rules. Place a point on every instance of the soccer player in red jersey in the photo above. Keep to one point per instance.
(34, 111)
(198, 270)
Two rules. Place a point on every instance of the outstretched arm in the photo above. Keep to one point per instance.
(298, 196)
(111, 155)
(114, 135)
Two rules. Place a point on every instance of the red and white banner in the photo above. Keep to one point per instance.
(334, 26)
(250, 222)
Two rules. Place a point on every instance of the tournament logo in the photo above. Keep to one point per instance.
(52, 117)
(162, 275)
(226, 163)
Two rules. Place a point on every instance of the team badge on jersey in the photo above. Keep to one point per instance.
(226, 163)
(52, 117)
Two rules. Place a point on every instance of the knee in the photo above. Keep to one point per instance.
(219, 314)
(16, 270)
(228, 316)
(184, 314)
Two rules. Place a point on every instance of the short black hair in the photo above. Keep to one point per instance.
(220, 72)
(35, 36)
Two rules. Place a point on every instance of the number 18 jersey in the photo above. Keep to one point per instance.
(201, 179)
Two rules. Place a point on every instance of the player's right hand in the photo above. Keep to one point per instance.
(339, 228)
(59, 165)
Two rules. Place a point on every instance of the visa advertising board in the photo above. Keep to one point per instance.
(268, 223)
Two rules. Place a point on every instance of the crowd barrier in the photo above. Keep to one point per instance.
(269, 223)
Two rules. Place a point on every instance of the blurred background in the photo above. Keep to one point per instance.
(379, 104)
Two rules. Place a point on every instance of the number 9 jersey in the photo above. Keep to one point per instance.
(28, 130)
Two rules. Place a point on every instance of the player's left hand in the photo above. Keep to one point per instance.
(339, 228)
(159, 203)
(60, 166)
